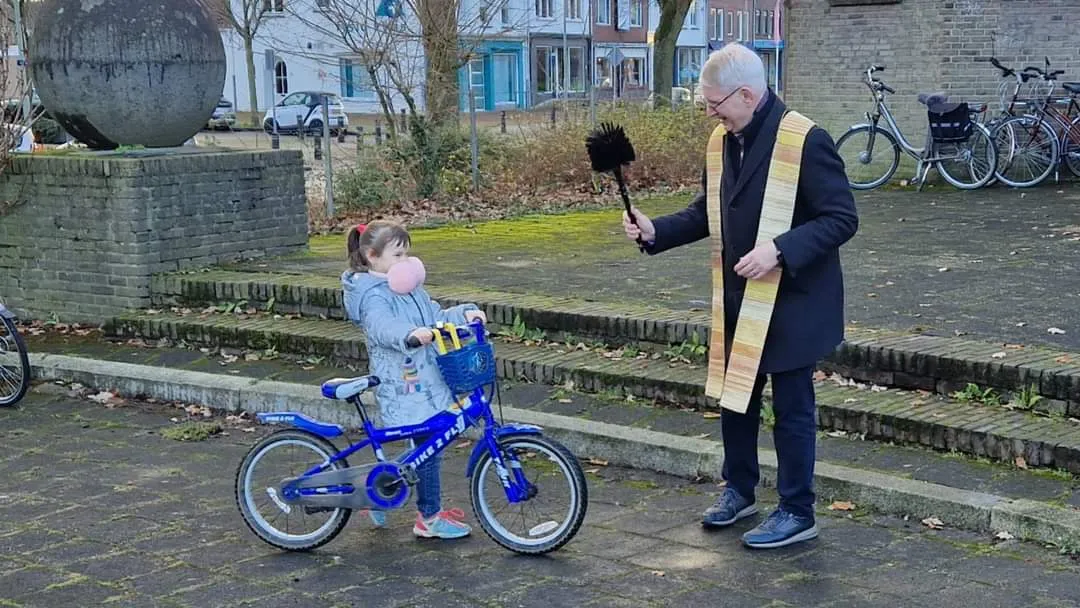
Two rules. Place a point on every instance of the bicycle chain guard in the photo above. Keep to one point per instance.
(382, 485)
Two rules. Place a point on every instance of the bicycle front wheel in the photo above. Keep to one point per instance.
(14, 364)
(870, 154)
(968, 164)
(554, 510)
(1033, 153)
(286, 526)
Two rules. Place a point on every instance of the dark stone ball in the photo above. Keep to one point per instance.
(127, 72)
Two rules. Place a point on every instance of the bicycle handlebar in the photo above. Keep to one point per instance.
(477, 327)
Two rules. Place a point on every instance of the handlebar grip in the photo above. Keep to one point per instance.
(412, 342)
(888, 88)
(1032, 68)
(1057, 72)
(878, 68)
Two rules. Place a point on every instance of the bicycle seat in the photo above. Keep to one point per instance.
(977, 108)
(1072, 87)
(347, 388)
(933, 99)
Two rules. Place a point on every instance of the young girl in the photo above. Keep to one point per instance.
(390, 305)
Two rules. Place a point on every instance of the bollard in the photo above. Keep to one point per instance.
(552, 115)
(359, 138)
(404, 121)
(378, 131)
(502, 122)
(275, 141)
(300, 127)
(318, 148)
(341, 136)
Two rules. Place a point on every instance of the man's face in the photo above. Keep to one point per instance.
(734, 108)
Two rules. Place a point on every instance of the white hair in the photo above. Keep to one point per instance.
(734, 66)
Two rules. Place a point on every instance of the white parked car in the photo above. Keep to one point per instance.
(303, 110)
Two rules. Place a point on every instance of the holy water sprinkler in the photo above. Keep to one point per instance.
(609, 149)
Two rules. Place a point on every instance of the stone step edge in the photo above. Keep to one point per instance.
(912, 361)
(620, 445)
(987, 432)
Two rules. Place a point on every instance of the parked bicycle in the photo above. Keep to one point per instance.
(277, 505)
(1054, 135)
(959, 147)
(14, 360)
(1011, 104)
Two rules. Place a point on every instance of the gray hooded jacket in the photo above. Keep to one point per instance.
(412, 389)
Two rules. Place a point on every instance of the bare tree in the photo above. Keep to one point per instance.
(396, 40)
(672, 16)
(246, 17)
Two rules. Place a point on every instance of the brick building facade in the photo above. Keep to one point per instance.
(926, 45)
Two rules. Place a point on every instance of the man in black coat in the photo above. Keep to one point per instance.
(808, 315)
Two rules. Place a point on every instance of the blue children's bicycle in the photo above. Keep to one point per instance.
(520, 511)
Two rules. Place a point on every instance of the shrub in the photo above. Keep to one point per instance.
(373, 183)
(669, 145)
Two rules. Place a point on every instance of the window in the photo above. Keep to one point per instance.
(543, 60)
(281, 78)
(602, 74)
(635, 13)
(504, 12)
(355, 79)
(688, 66)
(322, 4)
(717, 23)
(543, 8)
(635, 72)
(770, 27)
(505, 77)
(274, 6)
(603, 12)
(692, 15)
(730, 24)
(577, 68)
(742, 26)
(573, 9)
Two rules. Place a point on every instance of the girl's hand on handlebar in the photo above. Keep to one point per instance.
(473, 315)
(420, 336)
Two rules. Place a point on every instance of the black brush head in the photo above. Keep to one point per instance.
(609, 148)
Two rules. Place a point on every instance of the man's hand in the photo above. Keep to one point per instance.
(472, 315)
(423, 334)
(759, 262)
(644, 227)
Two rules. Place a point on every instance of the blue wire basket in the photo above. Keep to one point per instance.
(468, 368)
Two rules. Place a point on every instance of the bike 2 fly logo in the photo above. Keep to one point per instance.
(447, 437)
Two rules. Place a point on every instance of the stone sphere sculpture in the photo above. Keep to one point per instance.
(127, 72)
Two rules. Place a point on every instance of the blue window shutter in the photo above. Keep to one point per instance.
(349, 92)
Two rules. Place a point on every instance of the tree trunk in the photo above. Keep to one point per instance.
(439, 27)
(253, 89)
(672, 15)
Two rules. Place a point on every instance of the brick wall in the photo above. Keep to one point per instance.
(89, 231)
(926, 45)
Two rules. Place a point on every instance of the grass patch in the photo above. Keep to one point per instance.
(192, 431)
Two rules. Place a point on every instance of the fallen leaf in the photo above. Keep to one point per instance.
(592, 471)
(251, 357)
(943, 269)
(1055, 331)
(837, 434)
(1020, 462)
(658, 572)
(702, 436)
(1003, 535)
(597, 461)
(711, 415)
(998, 355)
(842, 505)
(566, 400)
(1063, 359)
(249, 429)
(933, 523)
(1014, 346)
(464, 443)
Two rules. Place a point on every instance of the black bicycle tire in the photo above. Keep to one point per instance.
(24, 361)
(894, 166)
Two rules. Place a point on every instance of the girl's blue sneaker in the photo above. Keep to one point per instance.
(445, 524)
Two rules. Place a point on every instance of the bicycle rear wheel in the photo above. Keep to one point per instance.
(14, 363)
(870, 154)
(286, 526)
(1070, 147)
(1033, 155)
(537, 524)
(968, 164)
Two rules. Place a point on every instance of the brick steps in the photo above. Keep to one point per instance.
(935, 363)
(896, 415)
